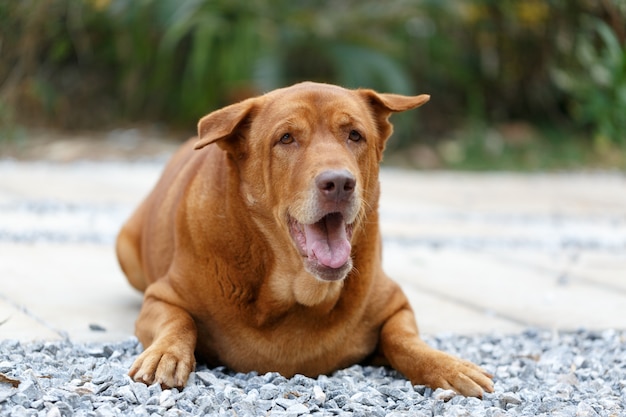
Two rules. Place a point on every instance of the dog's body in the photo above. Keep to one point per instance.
(262, 250)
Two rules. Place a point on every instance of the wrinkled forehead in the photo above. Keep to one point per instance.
(317, 103)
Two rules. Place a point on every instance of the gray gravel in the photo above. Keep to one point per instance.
(537, 373)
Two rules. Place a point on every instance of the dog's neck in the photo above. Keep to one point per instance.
(312, 292)
(288, 288)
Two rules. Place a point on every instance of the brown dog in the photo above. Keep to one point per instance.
(260, 249)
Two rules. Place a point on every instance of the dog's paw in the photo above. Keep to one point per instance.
(466, 378)
(169, 367)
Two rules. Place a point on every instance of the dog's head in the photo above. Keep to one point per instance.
(306, 158)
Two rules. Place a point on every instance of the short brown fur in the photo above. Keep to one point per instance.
(222, 247)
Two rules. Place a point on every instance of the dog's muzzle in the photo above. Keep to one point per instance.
(324, 233)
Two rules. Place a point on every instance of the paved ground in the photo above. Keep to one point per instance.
(476, 253)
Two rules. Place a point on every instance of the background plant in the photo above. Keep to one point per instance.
(99, 63)
(598, 86)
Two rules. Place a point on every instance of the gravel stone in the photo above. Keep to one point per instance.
(510, 398)
(141, 392)
(298, 409)
(537, 373)
(319, 396)
(444, 394)
(126, 393)
(54, 411)
(268, 391)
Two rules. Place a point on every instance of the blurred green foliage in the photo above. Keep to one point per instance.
(486, 63)
(598, 86)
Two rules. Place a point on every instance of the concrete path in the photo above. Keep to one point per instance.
(476, 253)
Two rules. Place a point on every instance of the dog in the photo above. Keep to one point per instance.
(259, 248)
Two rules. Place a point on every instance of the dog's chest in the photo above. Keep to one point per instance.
(308, 348)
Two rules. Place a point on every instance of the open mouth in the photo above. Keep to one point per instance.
(325, 244)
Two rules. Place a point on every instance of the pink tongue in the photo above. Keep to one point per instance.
(327, 241)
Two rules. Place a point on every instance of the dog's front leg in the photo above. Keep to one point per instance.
(168, 334)
(423, 365)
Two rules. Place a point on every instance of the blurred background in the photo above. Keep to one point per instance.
(515, 85)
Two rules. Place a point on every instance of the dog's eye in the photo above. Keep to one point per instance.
(286, 139)
(355, 136)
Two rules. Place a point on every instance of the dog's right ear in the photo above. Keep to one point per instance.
(225, 125)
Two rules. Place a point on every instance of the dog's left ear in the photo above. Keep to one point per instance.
(383, 105)
(225, 125)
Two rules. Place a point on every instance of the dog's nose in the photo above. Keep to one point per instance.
(336, 185)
